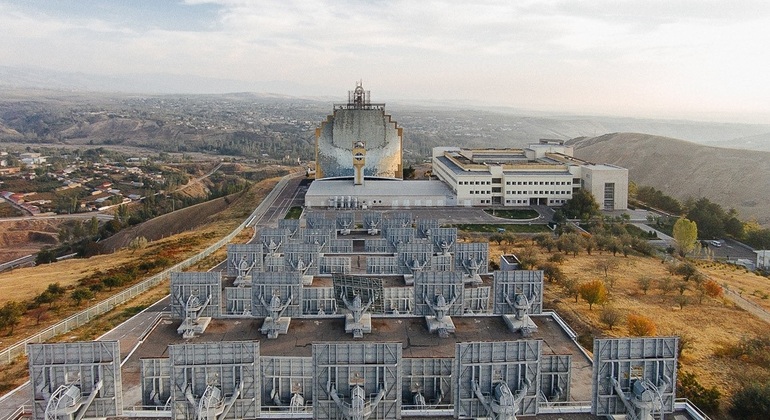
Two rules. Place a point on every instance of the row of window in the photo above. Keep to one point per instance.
(477, 192)
(527, 201)
(514, 182)
(537, 192)
(537, 183)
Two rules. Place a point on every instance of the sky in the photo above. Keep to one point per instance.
(691, 59)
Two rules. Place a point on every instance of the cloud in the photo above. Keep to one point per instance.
(583, 55)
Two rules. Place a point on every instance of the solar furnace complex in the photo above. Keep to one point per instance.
(355, 315)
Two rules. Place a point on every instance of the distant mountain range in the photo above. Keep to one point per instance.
(150, 83)
(733, 178)
(527, 125)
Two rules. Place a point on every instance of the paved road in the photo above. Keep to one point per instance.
(748, 305)
(131, 332)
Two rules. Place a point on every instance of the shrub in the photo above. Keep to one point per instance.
(552, 272)
(713, 289)
(644, 283)
(751, 402)
(556, 258)
(707, 399)
(641, 326)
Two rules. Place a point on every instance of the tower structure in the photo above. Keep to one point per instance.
(359, 140)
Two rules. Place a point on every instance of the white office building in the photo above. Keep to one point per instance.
(544, 173)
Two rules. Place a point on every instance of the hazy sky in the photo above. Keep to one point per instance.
(695, 59)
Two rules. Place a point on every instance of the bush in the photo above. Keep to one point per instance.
(641, 326)
(707, 399)
(552, 272)
(556, 258)
(45, 256)
(644, 283)
(751, 402)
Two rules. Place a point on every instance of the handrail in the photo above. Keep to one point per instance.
(691, 409)
(19, 412)
(78, 319)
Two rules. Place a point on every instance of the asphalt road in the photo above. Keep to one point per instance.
(131, 332)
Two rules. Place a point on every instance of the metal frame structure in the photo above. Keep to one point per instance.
(427, 384)
(468, 255)
(207, 286)
(555, 377)
(285, 286)
(156, 383)
(357, 380)
(497, 379)
(287, 384)
(76, 380)
(243, 260)
(429, 284)
(215, 380)
(635, 376)
(238, 301)
(508, 284)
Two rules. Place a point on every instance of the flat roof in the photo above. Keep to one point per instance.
(410, 331)
(451, 165)
(378, 187)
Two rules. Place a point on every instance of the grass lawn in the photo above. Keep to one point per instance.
(516, 214)
(294, 213)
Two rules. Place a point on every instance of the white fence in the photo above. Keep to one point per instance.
(9, 354)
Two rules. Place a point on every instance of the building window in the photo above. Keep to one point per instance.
(609, 196)
(497, 180)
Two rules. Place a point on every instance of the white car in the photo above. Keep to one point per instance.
(715, 244)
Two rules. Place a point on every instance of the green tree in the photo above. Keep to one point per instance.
(687, 270)
(528, 258)
(10, 315)
(81, 294)
(710, 218)
(496, 237)
(93, 226)
(45, 256)
(686, 236)
(582, 205)
(570, 243)
(572, 287)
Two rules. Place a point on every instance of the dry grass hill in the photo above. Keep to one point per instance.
(733, 178)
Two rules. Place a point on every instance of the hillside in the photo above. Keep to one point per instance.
(730, 177)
